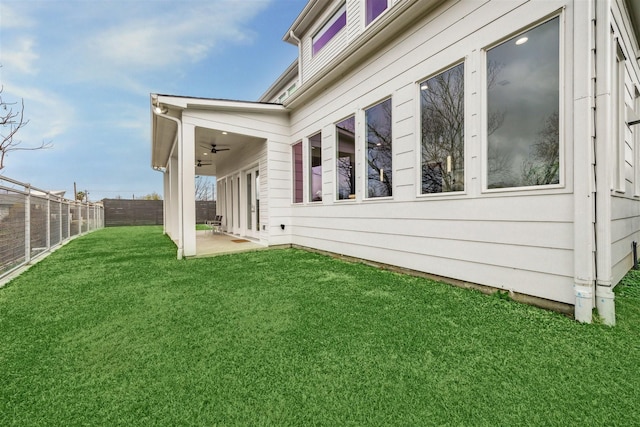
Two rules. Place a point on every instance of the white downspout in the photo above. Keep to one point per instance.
(583, 161)
(604, 164)
(180, 253)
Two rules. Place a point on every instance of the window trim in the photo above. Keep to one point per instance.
(562, 140)
(336, 150)
(636, 144)
(365, 152)
(310, 169)
(335, 17)
(618, 104)
(293, 172)
(390, 4)
(419, 194)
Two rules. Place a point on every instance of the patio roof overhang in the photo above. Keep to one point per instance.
(168, 111)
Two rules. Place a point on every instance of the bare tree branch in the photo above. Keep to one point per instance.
(11, 121)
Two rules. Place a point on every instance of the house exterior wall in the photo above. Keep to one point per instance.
(625, 227)
(265, 153)
(521, 240)
(311, 64)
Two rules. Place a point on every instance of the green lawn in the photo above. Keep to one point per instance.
(113, 330)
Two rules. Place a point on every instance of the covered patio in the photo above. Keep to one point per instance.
(229, 140)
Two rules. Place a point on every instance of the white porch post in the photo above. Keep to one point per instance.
(166, 190)
(187, 190)
(172, 210)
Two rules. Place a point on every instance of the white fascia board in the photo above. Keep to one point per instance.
(225, 105)
(185, 102)
(304, 19)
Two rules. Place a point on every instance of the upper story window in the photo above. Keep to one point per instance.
(336, 23)
(374, 8)
(523, 109)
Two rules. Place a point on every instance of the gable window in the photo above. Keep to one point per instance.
(379, 150)
(346, 159)
(297, 172)
(374, 8)
(523, 109)
(336, 23)
(442, 129)
(315, 171)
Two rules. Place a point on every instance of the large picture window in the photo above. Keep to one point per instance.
(297, 172)
(315, 171)
(442, 126)
(328, 31)
(523, 109)
(345, 159)
(379, 150)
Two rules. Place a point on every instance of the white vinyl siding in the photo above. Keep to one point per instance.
(519, 241)
(311, 63)
(625, 222)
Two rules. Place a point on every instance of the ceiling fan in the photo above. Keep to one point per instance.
(200, 164)
(213, 148)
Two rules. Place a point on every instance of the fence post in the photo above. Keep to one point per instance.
(79, 208)
(60, 221)
(48, 222)
(27, 224)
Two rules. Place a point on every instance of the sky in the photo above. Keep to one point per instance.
(85, 70)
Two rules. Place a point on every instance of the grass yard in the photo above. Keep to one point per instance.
(113, 330)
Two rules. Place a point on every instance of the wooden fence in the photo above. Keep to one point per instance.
(123, 212)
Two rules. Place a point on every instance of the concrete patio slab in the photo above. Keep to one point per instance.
(212, 244)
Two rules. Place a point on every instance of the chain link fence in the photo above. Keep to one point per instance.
(34, 221)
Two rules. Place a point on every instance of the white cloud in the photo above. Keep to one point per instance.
(19, 56)
(48, 114)
(185, 34)
(11, 17)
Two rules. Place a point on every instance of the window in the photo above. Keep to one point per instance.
(345, 159)
(523, 104)
(442, 126)
(315, 172)
(636, 144)
(297, 172)
(618, 117)
(374, 8)
(379, 150)
(337, 22)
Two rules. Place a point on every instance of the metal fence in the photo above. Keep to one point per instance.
(34, 221)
